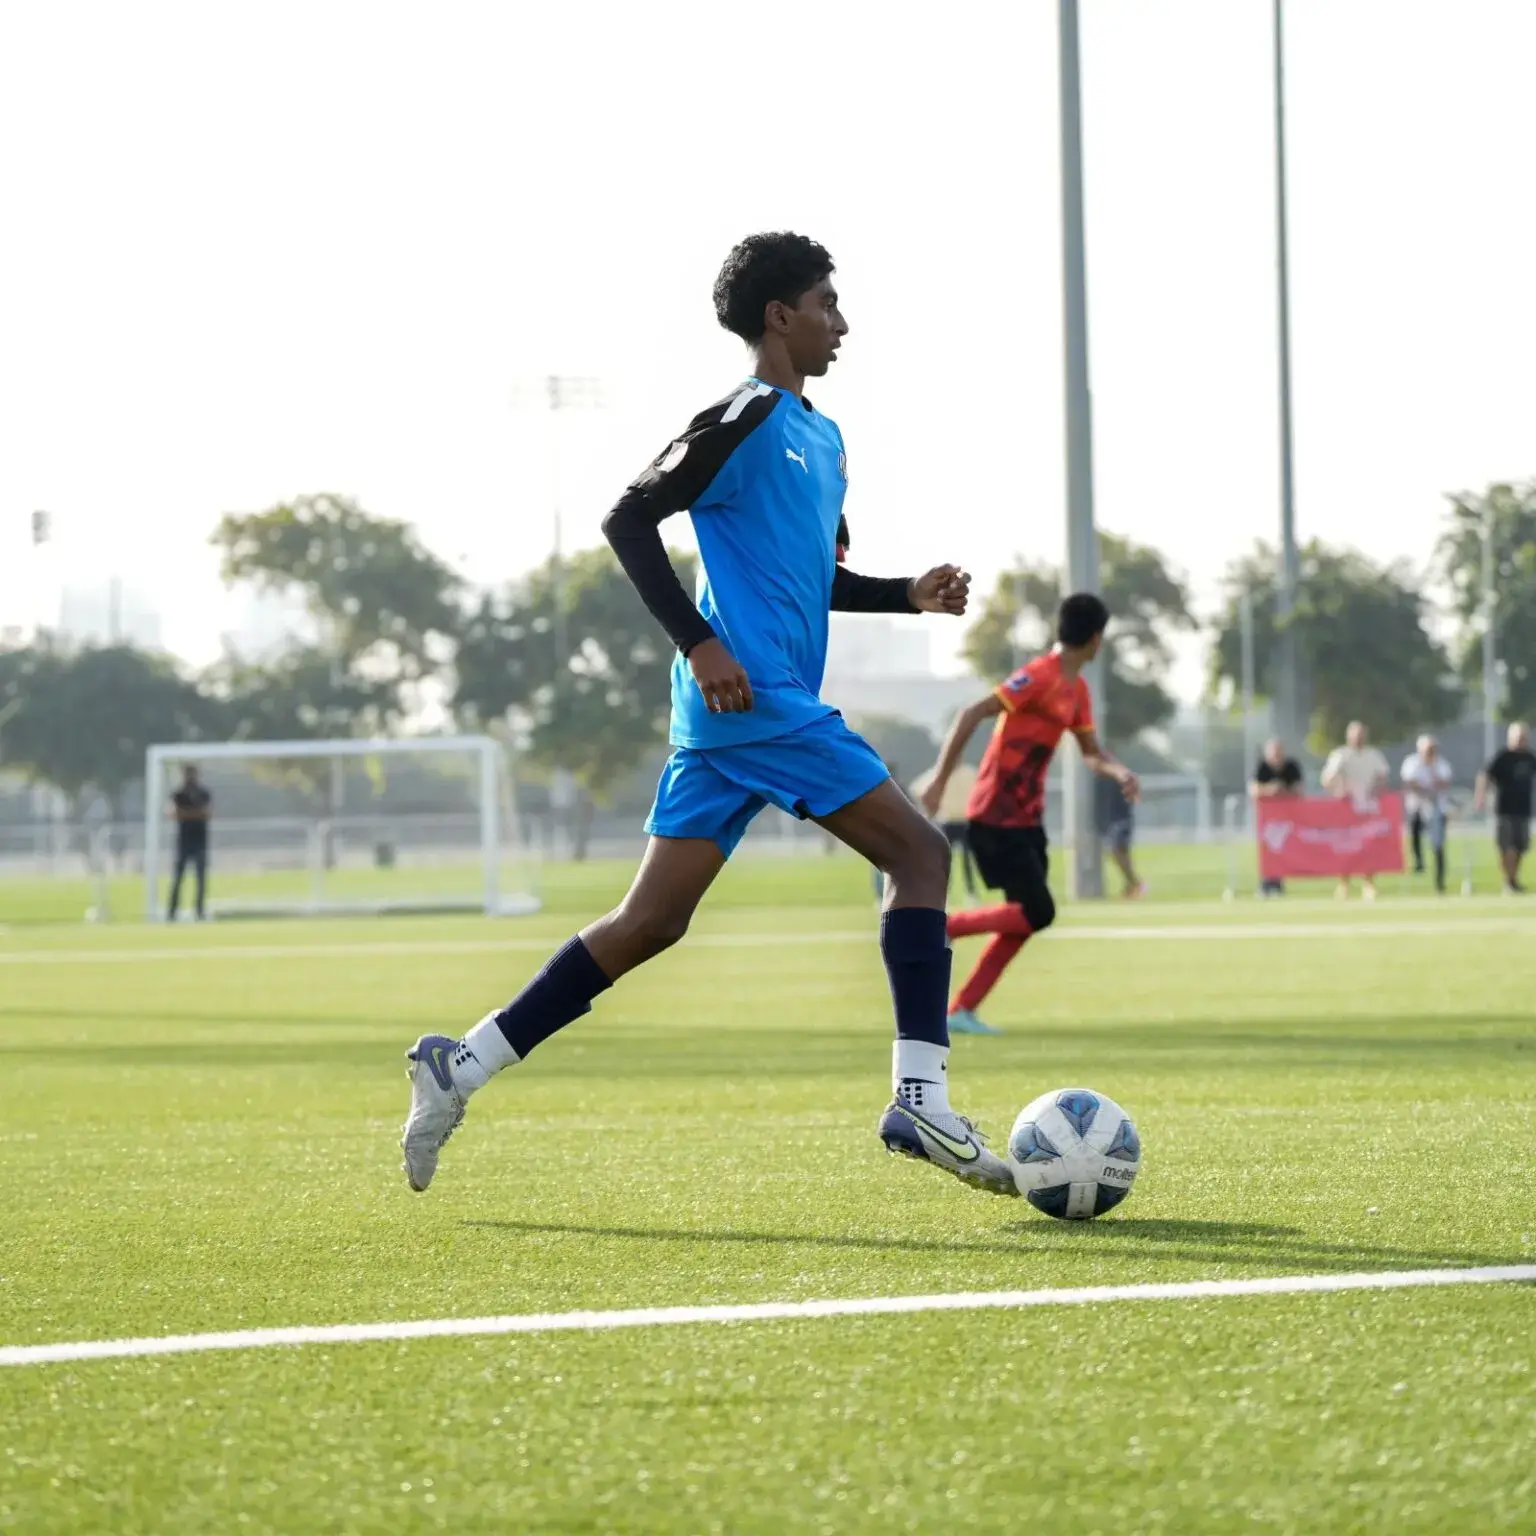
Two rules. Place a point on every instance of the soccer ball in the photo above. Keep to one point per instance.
(1074, 1154)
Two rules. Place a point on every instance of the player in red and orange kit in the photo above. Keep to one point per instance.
(1034, 708)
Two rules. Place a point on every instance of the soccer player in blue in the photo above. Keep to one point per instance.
(763, 474)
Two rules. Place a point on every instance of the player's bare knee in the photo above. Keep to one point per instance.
(657, 929)
(632, 934)
(919, 869)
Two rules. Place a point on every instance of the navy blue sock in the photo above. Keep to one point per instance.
(917, 957)
(560, 993)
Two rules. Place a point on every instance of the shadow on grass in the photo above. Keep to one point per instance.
(747, 1050)
(1225, 1242)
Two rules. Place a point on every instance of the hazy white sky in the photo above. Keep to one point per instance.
(254, 251)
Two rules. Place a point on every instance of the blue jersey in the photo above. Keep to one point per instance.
(767, 532)
(763, 474)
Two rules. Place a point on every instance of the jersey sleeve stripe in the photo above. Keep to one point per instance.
(743, 399)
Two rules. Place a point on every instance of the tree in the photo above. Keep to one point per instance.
(83, 719)
(592, 711)
(1365, 651)
(303, 695)
(1149, 604)
(1509, 511)
(384, 603)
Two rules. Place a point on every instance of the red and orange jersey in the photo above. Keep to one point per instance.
(1039, 706)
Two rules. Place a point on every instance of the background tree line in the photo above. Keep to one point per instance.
(398, 633)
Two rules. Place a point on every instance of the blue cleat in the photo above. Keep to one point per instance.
(437, 1107)
(964, 1022)
(948, 1141)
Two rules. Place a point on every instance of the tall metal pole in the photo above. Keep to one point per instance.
(1082, 536)
(1289, 703)
(563, 392)
(555, 385)
(1250, 722)
(1491, 688)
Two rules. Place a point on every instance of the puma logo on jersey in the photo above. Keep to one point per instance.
(799, 458)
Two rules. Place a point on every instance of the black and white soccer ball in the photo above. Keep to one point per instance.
(1074, 1153)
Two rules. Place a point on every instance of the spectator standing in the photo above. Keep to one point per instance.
(192, 806)
(1426, 780)
(1117, 826)
(1277, 777)
(1512, 773)
(1357, 772)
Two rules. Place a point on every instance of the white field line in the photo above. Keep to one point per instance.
(1201, 933)
(751, 1312)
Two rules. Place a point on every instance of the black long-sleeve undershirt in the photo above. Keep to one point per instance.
(633, 528)
(852, 593)
(678, 479)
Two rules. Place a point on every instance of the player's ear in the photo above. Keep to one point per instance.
(776, 316)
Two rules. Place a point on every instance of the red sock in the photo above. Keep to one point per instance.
(989, 969)
(1007, 918)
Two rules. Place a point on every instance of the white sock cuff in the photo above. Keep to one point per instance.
(489, 1046)
(920, 1059)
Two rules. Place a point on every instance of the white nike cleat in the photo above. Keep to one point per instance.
(948, 1141)
(437, 1108)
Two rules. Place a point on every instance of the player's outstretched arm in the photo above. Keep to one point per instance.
(1107, 766)
(944, 589)
(954, 744)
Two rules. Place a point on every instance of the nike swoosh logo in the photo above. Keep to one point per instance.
(437, 1059)
(965, 1151)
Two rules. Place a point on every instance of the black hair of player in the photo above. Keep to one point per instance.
(1080, 618)
(763, 268)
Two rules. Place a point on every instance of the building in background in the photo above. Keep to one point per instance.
(885, 667)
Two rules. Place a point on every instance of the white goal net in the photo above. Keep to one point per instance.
(342, 827)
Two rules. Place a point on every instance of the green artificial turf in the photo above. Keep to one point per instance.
(199, 1133)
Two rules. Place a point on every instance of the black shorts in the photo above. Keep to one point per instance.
(1013, 860)
(1514, 834)
(1120, 833)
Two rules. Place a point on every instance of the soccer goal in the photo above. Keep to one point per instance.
(342, 827)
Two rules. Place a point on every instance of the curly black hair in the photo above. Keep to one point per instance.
(763, 268)
(1080, 618)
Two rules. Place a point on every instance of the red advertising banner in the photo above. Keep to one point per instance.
(1314, 836)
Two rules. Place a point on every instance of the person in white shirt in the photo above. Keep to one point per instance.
(1426, 780)
(1358, 772)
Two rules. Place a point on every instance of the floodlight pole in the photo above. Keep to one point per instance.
(1491, 688)
(1087, 866)
(153, 811)
(564, 392)
(1250, 721)
(1288, 690)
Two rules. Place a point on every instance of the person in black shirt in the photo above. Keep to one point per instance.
(1276, 776)
(1513, 776)
(191, 805)
(1117, 826)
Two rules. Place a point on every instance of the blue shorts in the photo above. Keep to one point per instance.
(716, 792)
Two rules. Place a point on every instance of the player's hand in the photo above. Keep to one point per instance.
(721, 679)
(945, 589)
(929, 799)
(1130, 785)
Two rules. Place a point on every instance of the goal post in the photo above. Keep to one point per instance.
(346, 827)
